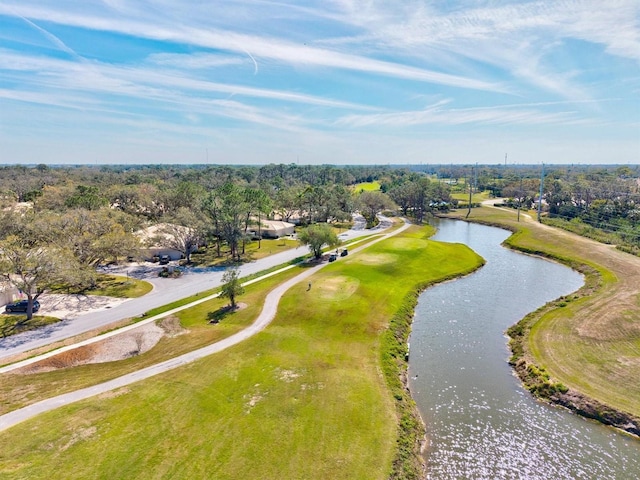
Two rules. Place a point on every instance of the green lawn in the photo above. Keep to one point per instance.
(477, 197)
(366, 186)
(113, 286)
(120, 287)
(9, 323)
(254, 250)
(305, 398)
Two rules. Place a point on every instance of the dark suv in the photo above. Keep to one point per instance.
(21, 306)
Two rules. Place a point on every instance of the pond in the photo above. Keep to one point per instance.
(481, 423)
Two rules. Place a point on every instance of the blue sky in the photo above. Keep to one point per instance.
(337, 82)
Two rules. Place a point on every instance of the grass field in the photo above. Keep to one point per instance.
(113, 286)
(120, 287)
(477, 197)
(366, 186)
(254, 250)
(9, 323)
(591, 341)
(305, 398)
(20, 390)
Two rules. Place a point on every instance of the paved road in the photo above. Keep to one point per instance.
(267, 314)
(165, 291)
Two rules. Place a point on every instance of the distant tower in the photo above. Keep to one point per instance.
(505, 159)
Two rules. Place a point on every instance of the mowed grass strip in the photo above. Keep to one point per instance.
(18, 390)
(589, 343)
(303, 399)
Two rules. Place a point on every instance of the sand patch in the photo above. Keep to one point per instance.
(336, 288)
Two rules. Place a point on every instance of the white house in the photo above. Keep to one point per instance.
(275, 228)
(156, 240)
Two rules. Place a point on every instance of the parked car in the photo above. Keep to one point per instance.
(21, 306)
(164, 259)
(333, 257)
(344, 253)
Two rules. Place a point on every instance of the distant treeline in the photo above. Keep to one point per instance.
(602, 197)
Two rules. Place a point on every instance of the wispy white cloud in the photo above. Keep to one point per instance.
(192, 61)
(514, 37)
(437, 114)
(138, 81)
(319, 74)
(259, 46)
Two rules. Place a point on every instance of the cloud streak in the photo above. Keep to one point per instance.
(260, 46)
(291, 74)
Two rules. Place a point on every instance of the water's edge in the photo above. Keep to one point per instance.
(530, 374)
(411, 437)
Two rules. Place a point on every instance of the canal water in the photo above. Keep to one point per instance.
(481, 424)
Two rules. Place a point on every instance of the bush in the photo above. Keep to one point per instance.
(170, 272)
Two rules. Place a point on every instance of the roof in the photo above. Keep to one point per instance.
(276, 224)
(153, 234)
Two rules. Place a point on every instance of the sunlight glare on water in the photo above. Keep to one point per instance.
(481, 423)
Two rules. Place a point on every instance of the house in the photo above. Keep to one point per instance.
(8, 293)
(158, 241)
(275, 228)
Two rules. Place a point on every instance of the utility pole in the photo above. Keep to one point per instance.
(475, 178)
(541, 191)
(470, 191)
(520, 198)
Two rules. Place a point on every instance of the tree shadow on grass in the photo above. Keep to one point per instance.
(220, 314)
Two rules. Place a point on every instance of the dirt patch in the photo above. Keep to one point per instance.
(82, 434)
(171, 326)
(251, 400)
(114, 393)
(288, 375)
(376, 259)
(119, 347)
(337, 288)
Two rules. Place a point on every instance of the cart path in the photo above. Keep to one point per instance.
(267, 314)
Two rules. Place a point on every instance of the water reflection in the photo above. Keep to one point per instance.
(481, 423)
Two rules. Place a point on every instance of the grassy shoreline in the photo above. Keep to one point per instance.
(560, 348)
(306, 398)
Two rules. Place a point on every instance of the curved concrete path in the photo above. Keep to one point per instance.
(267, 314)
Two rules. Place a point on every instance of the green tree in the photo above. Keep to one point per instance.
(316, 236)
(231, 286)
(231, 208)
(184, 232)
(32, 269)
(93, 237)
(371, 203)
(87, 197)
